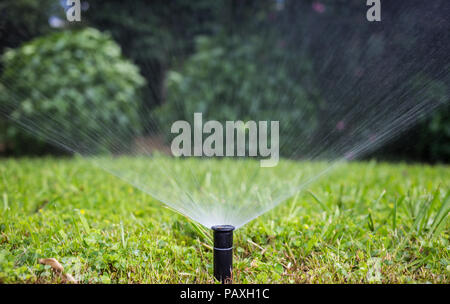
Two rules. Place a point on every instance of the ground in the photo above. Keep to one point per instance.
(367, 222)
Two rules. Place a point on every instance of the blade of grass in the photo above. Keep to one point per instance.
(317, 200)
(394, 213)
(370, 222)
(202, 232)
(441, 215)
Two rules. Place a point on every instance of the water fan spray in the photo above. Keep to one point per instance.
(223, 252)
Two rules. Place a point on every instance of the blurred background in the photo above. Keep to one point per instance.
(160, 48)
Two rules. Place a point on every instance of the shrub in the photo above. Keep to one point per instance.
(73, 82)
(240, 79)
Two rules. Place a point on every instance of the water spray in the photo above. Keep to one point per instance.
(223, 252)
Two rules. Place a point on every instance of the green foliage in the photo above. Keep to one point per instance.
(70, 74)
(159, 35)
(390, 227)
(238, 79)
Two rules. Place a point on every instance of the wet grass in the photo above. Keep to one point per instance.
(364, 223)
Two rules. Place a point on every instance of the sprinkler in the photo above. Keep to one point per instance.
(223, 252)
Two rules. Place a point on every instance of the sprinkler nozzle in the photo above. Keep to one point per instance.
(223, 252)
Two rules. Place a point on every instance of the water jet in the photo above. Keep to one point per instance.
(223, 252)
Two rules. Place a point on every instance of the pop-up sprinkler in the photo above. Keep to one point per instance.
(223, 252)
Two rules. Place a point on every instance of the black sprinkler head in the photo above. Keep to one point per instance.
(223, 252)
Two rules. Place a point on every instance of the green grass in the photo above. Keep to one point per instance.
(365, 222)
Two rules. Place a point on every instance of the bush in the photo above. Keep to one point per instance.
(75, 83)
(239, 79)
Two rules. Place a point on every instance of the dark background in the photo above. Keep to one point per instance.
(159, 36)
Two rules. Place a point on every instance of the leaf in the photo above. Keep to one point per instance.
(58, 269)
(84, 223)
(279, 268)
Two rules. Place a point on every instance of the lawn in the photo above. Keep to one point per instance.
(365, 222)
